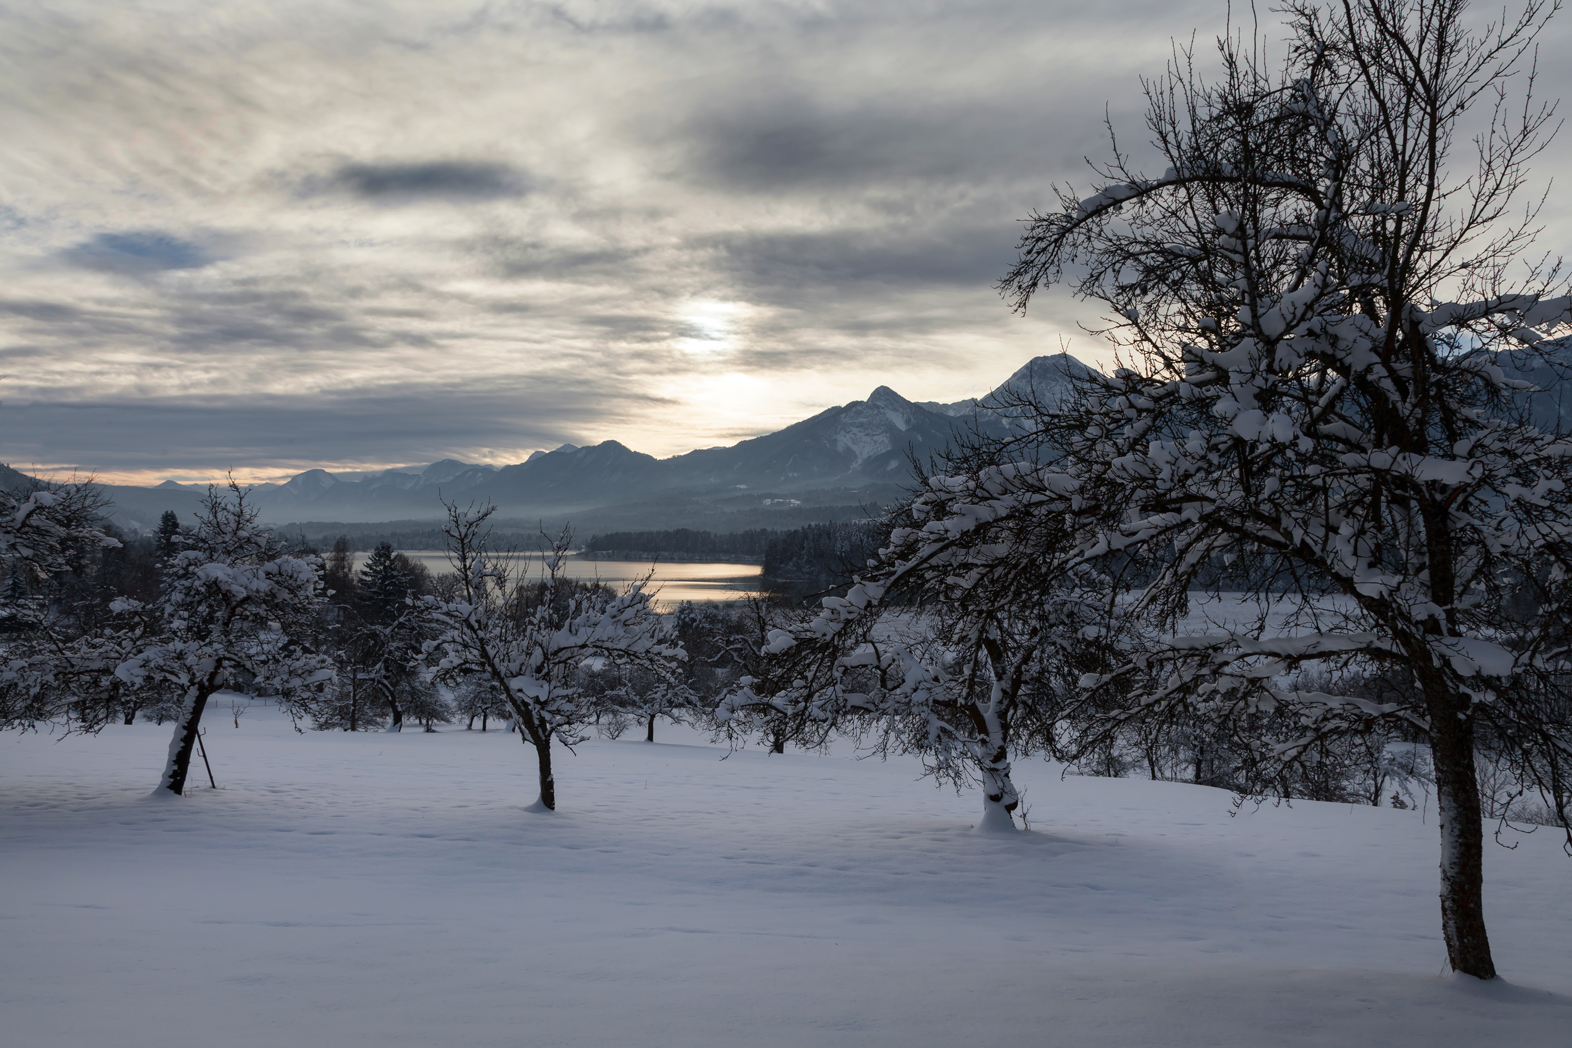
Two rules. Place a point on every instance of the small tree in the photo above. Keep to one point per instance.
(624, 696)
(1319, 332)
(234, 607)
(476, 696)
(389, 632)
(168, 533)
(533, 639)
(728, 642)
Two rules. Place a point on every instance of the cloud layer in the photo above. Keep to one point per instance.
(293, 234)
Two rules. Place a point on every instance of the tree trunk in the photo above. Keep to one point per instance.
(1000, 797)
(397, 723)
(180, 746)
(548, 785)
(649, 735)
(1462, 845)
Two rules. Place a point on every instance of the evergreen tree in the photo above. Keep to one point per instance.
(168, 532)
(338, 573)
(385, 582)
(378, 635)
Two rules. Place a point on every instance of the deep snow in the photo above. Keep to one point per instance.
(377, 889)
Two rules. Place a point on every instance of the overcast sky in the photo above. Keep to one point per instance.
(269, 236)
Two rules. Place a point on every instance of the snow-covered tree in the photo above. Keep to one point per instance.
(389, 633)
(626, 697)
(168, 529)
(45, 531)
(234, 609)
(960, 644)
(1320, 325)
(534, 638)
(724, 642)
(736, 667)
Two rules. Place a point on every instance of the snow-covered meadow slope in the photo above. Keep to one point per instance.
(374, 889)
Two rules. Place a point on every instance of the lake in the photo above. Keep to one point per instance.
(675, 582)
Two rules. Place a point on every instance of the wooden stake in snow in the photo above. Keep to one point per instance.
(205, 764)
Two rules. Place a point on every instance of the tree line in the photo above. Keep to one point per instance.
(104, 628)
(816, 554)
(684, 542)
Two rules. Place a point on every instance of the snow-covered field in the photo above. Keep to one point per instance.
(374, 889)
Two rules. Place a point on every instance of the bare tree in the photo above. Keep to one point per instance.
(533, 638)
(1319, 327)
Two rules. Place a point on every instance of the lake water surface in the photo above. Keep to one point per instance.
(674, 582)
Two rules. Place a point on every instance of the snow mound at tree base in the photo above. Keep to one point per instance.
(996, 819)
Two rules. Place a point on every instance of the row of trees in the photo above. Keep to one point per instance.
(113, 626)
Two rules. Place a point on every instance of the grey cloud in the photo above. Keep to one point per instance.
(791, 150)
(227, 319)
(695, 331)
(629, 327)
(267, 316)
(812, 137)
(783, 266)
(435, 179)
(517, 258)
(215, 433)
(797, 146)
(136, 252)
(75, 328)
(49, 312)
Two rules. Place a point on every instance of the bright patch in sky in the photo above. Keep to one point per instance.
(707, 327)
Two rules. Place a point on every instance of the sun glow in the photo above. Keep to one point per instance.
(708, 328)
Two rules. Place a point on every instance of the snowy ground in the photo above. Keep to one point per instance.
(344, 890)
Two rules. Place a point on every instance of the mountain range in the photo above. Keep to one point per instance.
(835, 465)
(828, 459)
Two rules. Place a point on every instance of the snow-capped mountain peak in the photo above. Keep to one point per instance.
(312, 480)
(895, 407)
